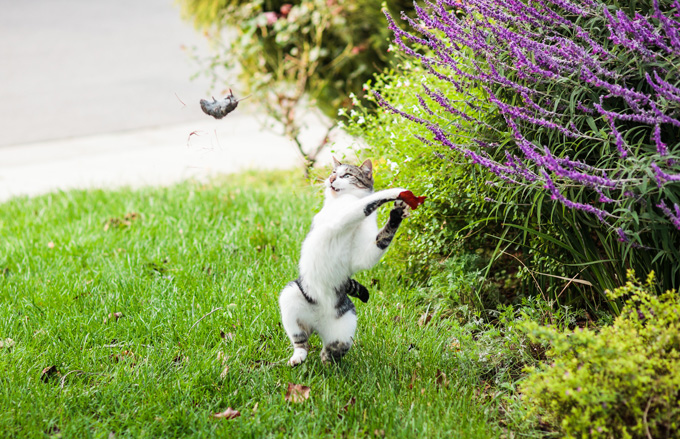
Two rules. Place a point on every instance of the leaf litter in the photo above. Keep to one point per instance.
(297, 393)
(229, 413)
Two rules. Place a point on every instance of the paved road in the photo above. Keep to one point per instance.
(89, 98)
(78, 67)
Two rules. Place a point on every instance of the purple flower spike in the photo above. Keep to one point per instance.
(675, 218)
(542, 102)
(661, 147)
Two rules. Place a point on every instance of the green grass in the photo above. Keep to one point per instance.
(158, 371)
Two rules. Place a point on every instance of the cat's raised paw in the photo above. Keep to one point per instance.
(405, 208)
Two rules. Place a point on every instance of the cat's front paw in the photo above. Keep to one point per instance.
(403, 208)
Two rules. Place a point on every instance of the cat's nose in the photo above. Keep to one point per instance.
(333, 177)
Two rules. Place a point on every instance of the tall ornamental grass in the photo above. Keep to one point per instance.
(581, 121)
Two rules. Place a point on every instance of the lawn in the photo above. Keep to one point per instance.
(141, 313)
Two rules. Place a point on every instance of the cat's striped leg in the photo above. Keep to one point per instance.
(365, 206)
(386, 234)
(294, 306)
(338, 333)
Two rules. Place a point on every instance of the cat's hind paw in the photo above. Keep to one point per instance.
(298, 357)
(333, 352)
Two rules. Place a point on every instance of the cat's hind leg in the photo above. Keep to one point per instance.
(294, 306)
(337, 333)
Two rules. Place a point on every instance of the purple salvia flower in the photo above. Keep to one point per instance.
(661, 147)
(581, 107)
(444, 102)
(675, 218)
(518, 49)
(663, 88)
(644, 118)
(556, 195)
(424, 105)
(619, 139)
(662, 177)
(383, 103)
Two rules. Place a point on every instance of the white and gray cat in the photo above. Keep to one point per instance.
(343, 240)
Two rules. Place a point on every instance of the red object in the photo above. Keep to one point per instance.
(410, 199)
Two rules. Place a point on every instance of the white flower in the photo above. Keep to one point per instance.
(353, 113)
(341, 112)
(361, 120)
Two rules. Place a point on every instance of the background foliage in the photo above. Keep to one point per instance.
(296, 55)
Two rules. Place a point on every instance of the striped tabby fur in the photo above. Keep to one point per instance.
(343, 240)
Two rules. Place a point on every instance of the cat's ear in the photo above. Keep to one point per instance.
(336, 163)
(367, 167)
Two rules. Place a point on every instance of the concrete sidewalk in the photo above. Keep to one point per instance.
(98, 94)
(151, 156)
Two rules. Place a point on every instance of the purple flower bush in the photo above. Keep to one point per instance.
(581, 102)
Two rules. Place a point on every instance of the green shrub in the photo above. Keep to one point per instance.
(620, 382)
(582, 125)
(459, 219)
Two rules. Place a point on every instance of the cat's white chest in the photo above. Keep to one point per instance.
(326, 260)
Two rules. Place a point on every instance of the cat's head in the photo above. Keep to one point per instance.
(350, 179)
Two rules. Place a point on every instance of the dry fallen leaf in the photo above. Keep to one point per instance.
(410, 199)
(131, 216)
(414, 377)
(6, 343)
(424, 319)
(297, 393)
(229, 413)
(117, 223)
(454, 345)
(113, 317)
(441, 379)
(224, 373)
(346, 407)
(122, 356)
(49, 372)
(351, 402)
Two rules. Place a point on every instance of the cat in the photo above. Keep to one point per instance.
(344, 239)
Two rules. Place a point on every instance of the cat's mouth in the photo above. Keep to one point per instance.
(334, 189)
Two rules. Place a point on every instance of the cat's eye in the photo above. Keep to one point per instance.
(344, 176)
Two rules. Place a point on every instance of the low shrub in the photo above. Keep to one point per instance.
(620, 382)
